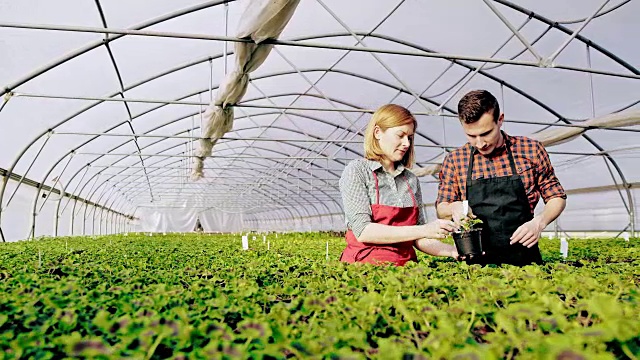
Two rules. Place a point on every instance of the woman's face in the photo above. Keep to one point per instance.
(395, 141)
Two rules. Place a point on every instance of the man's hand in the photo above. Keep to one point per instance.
(458, 257)
(528, 233)
(457, 214)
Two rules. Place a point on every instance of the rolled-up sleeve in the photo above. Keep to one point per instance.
(355, 198)
(548, 182)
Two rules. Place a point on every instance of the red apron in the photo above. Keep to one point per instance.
(398, 253)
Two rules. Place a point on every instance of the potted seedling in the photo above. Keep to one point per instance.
(468, 238)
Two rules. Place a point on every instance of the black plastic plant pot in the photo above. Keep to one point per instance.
(468, 243)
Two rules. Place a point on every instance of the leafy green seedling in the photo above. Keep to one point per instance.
(469, 224)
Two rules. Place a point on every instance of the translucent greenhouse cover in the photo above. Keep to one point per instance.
(105, 105)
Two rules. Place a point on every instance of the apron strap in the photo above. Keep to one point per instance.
(511, 161)
(413, 197)
(375, 177)
(469, 173)
(415, 203)
(470, 166)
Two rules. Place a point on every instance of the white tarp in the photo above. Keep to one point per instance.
(556, 136)
(262, 20)
(184, 220)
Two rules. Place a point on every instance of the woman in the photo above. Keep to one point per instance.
(382, 198)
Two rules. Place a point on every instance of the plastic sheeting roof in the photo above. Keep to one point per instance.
(102, 100)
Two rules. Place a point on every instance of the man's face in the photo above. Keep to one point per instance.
(484, 134)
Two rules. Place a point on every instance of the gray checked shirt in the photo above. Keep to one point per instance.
(358, 190)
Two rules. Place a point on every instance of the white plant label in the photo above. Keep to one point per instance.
(564, 247)
(245, 242)
(327, 250)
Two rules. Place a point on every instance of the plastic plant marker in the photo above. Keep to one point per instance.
(245, 242)
(564, 247)
(327, 250)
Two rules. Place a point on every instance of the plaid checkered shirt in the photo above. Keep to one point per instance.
(532, 164)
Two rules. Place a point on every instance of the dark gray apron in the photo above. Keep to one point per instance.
(502, 205)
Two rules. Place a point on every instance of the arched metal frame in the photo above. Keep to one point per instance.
(215, 3)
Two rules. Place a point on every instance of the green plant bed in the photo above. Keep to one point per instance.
(201, 296)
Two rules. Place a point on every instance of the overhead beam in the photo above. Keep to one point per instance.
(98, 30)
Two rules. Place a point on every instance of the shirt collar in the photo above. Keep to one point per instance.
(376, 165)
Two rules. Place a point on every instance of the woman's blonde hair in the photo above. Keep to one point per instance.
(388, 116)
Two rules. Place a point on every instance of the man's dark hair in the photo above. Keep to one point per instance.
(477, 103)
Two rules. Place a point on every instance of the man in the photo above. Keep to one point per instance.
(503, 178)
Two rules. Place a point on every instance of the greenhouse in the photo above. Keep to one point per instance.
(145, 145)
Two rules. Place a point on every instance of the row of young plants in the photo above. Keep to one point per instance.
(201, 296)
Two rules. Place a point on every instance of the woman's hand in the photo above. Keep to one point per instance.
(438, 229)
